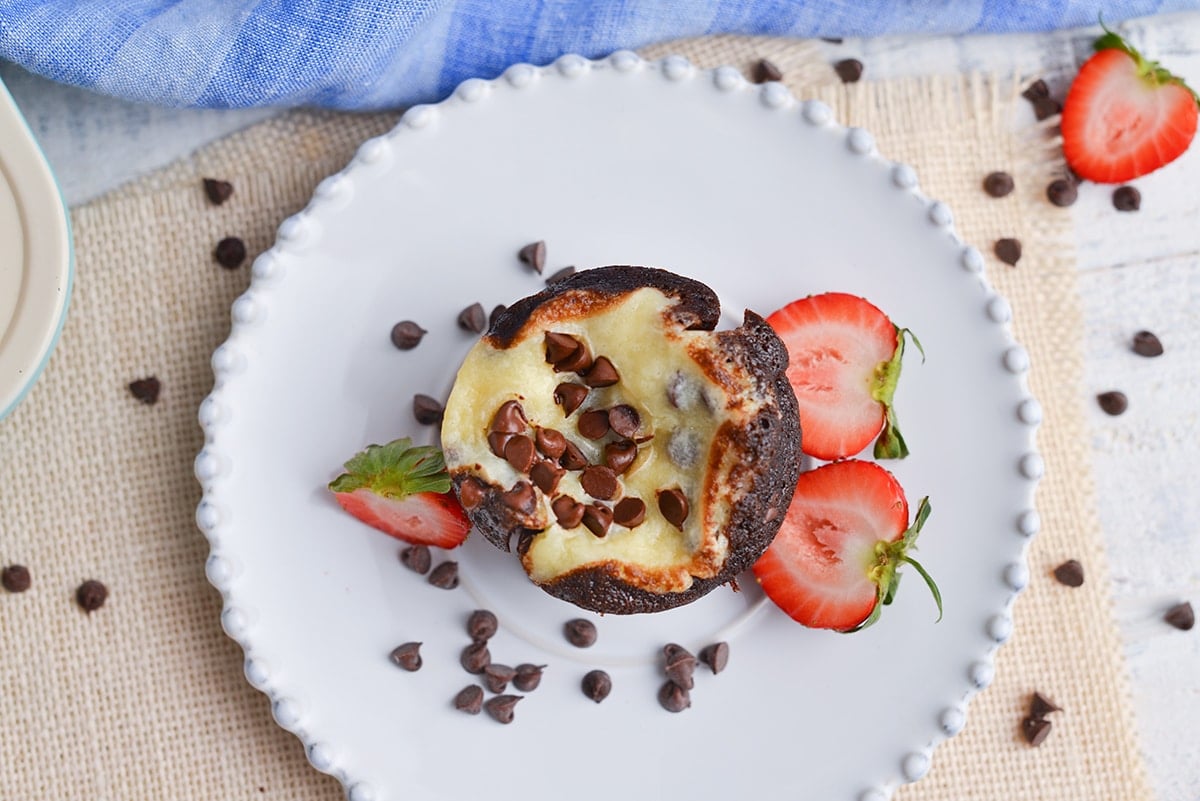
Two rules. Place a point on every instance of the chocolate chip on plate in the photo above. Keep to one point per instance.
(1070, 573)
(673, 505)
(1008, 250)
(407, 656)
(406, 334)
(1036, 730)
(716, 656)
(596, 685)
(469, 699)
(580, 633)
(218, 191)
(230, 252)
(427, 410)
(91, 595)
(501, 707)
(1045, 107)
(629, 512)
(475, 657)
(998, 184)
(473, 318)
(1113, 402)
(1126, 198)
(1040, 706)
(849, 70)
(528, 677)
(673, 698)
(445, 576)
(417, 558)
(679, 665)
(560, 274)
(534, 255)
(1062, 192)
(496, 677)
(1181, 616)
(146, 389)
(1147, 344)
(1036, 91)
(15, 578)
(764, 71)
(482, 624)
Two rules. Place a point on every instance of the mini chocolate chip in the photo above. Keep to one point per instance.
(600, 482)
(407, 656)
(230, 252)
(549, 442)
(597, 518)
(620, 455)
(1113, 402)
(528, 677)
(509, 418)
(91, 595)
(570, 397)
(674, 698)
(629, 512)
(501, 707)
(1146, 344)
(1008, 250)
(469, 699)
(1035, 730)
(471, 491)
(558, 275)
(417, 558)
(1036, 90)
(567, 511)
(624, 419)
(593, 424)
(497, 310)
(473, 318)
(545, 475)
(998, 184)
(580, 632)
(218, 191)
(445, 576)
(673, 505)
(765, 71)
(1181, 616)
(15, 578)
(849, 70)
(520, 498)
(497, 441)
(519, 452)
(428, 411)
(1040, 706)
(475, 657)
(577, 361)
(406, 334)
(482, 624)
(560, 346)
(716, 656)
(596, 685)
(496, 677)
(573, 458)
(146, 389)
(534, 255)
(1045, 107)
(602, 373)
(1062, 192)
(1070, 573)
(1126, 198)
(679, 665)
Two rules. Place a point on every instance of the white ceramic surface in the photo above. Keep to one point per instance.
(765, 199)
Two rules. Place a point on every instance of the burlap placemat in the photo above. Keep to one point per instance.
(145, 699)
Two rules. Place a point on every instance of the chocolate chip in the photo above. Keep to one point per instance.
(1008, 250)
(406, 334)
(629, 512)
(496, 677)
(1146, 344)
(596, 685)
(417, 558)
(1126, 198)
(1040, 706)
(998, 184)
(497, 441)
(765, 71)
(218, 191)
(520, 498)
(475, 657)
(1036, 91)
(533, 254)
(1181, 616)
(602, 373)
(15, 578)
(1036, 730)
(501, 707)
(528, 677)
(849, 70)
(482, 624)
(230, 252)
(407, 656)
(545, 475)
(580, 632)
(509, 418)
(497, 310)
(1046, 107)
(570, 397)
(519, 452)
(428, 411)
(567, 511)
(597, 518)
(624, 419)
(550, 443)
(573, 458)
(146, 390)
(471, 491)
(600, 482)
(578, 361)
(473, 318)
(679, 665)
(1113, 402)
(559, 275)
(620, 455)
(1069, 573)
(593, 424)
(673, 505)
(560, 346)
(91, 595)
(716, 656)
(673, 698)
(445, 576)
(469, 699)
(1062, 192)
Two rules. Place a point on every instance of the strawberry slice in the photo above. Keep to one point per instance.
(833, 564)
(843, 363)
(403, 491)
(1125, 116)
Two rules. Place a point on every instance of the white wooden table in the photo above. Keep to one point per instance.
(1137, 271)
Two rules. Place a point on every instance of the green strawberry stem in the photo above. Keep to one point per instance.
(1148, 70)
(885, 570)
(891, 444)
(395, 470)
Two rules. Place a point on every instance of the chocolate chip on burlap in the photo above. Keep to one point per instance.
(1008, 250)
(765, 71)
(1035, 730)
(850, 70)
(1040, 706)
(16, 578)
(91, 595)
(1070, 573)
(998, 184)
(218, 191)
(230, 252)
(1062, 192)
(146, 390)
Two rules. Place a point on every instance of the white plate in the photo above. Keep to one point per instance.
(614, 161)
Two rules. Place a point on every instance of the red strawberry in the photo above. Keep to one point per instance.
(843, 362)
(1125, 116)
(404, 491)
(833, 563)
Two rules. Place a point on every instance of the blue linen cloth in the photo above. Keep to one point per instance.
(371, 54)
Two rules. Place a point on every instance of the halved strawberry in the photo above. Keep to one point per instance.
(843, 363)
(833, 564)
(404, 491)
(1125, 116)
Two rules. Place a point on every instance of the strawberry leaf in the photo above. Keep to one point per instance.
(929, 582)
(891, 444)
(395, 470)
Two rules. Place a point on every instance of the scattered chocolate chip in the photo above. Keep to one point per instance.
(230, 252)
(1147, 344)
(573, 458)
(716, 656)
(602, 373)
(1126, 198)
(674, 506)
(836, 40)
(679, 665)
(497, 310)
(624, 419)
(570, 397)
(406, 334)
(445, 576)
(471, 491)
(1040, 706)
(560, 346)
(580, 632)
(620, 455)
(497, 441)
(15, 578)
(560, 274)
(482, 624)
(469, 699)
(1036, 91)
(567, 511)
(765, 71)
(998, 184)
(417, 558)
(673, 698)
(597, 518)
(218, 191)
(496, 677)
(1062, 192)
(1070, 573)
(519, 452)
(1181, 616)
(534, 254)
(475, 657)
(91, 595)
(593, 424)
(509, 418)
(473, 318)
(520, 498)
(849, 70)
(407, 656)
(1008, 250)
(528, 677)
(146, 390)
(428, 411)
(1035, 730)
(596, 685)
(546, 474)
(550, 443)
(501, 707)
(1046, 107)
(600, 482)
(1113, 402)
(629, 512)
